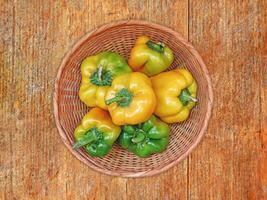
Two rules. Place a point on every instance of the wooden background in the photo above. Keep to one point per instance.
(229, 163)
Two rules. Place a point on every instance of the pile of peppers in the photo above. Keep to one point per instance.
(133, 102)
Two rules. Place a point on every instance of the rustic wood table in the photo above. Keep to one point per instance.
(229, 163)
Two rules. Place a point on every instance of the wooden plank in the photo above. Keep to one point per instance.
(262, 61)
(6, 117)
(32, 160)
(230, 37)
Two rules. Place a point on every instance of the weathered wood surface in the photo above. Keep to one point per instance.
(230, 162)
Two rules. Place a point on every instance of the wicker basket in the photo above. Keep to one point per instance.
(120, 37)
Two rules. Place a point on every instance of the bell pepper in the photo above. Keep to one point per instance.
(98, 71)
(146, 138)
(96, 133)
(149, 57)
(176, 92)
(131, 99)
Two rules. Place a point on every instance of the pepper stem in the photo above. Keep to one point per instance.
(139, 138)
(89, 137)
(185, 97)
(101, 76)
(193, 99)
(123, 98)
(99, 72)
(115, 99)
(159, 47)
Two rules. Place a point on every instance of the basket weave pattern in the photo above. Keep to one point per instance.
(120, 37)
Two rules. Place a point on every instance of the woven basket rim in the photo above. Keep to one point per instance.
(97, 31)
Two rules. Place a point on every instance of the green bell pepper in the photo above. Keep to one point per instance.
(96, 133)
(146, 138)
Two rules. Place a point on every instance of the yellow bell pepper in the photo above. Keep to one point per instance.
(97, 73)
(131, 99)
(176, 92)
(149, 57)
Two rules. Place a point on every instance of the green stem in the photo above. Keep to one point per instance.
(123, 98)
(99, 72)
(101, 76)
(192, 99)
(86, 139)
(185, 97)
(139, 138)
(155, 46)
(114, 99)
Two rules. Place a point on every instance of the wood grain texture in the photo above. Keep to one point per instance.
(230, 35)
(230, 162)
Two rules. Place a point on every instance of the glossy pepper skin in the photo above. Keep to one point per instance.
(176, 93)
(146, 138)
(96, 133)
(98, 71)
(149, 57)
(131, 99)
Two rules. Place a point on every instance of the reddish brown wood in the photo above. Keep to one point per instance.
(231, 37)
